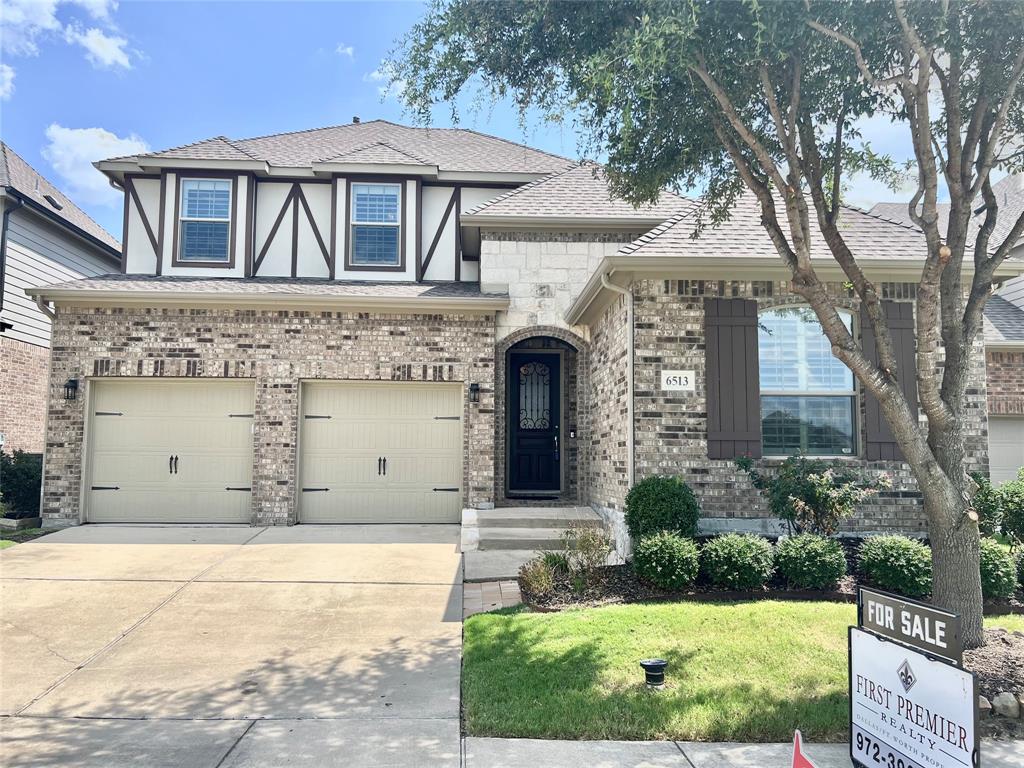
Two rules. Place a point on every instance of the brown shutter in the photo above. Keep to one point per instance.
(879, 441)
(733, 386)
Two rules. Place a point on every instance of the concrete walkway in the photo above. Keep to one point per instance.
(534, 753)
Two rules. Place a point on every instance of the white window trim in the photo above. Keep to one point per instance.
(853, 394)
(182, 218)
(354, 222)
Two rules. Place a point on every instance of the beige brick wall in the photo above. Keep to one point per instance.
(23, 371)
(1005, 374)
(277, 349)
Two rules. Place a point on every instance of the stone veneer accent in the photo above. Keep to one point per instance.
(542, 272)
(277, 349)
(1005, 381)
(671, 435)
(23, 375)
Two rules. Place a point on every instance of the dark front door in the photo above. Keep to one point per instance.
(534, 415)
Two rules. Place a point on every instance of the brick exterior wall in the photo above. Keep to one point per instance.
(23, 371)
(1005, 373)
(671, 436)
(278, 349)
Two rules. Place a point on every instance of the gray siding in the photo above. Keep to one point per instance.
(1013, 291)
(39, 253)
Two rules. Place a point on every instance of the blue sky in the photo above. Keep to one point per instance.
(85, 79)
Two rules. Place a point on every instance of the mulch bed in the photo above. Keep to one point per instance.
(999, 665)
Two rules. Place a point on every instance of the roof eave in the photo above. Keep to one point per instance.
(630, 223)
(631, 267)
(114, 254)
(410, 304)
(397, 169)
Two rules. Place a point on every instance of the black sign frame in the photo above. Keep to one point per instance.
(953, 654)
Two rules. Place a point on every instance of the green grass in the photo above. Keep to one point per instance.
(25, 534)
(1012, 622)
(737, 672)
(5, 543)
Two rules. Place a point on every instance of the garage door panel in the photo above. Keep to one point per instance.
(417, 427)
(1005, 447)
(137, 425)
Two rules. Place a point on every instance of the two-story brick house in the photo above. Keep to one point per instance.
(375, 323)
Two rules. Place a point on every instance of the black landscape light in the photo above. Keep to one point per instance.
(654, 671)
(474, 393)
(71, 389)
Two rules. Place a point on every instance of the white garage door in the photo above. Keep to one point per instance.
(378, 452)
(1005, 447)
(170, 451)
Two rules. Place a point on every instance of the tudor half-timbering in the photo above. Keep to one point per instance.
(374, 323)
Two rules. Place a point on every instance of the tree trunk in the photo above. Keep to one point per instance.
(956, 582)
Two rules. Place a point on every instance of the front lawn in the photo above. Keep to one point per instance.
(737, 672)
(10, 538)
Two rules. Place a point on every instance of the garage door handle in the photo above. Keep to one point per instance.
(170, 464)
(379, 470)
(175, 465)
(385, 466)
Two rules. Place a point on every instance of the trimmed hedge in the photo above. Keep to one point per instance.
(808, 561)
(738, 561)
(897, 564)
(661, 503)
(667, 560)
(998, 570)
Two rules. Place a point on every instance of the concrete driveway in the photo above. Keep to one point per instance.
(229, 646)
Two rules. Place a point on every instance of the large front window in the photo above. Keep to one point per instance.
(807, 395)
(376, 225)
(205, 220)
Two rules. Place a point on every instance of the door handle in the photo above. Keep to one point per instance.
(556, 447)
(385, 466)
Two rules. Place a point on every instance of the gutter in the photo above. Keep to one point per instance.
(8, 210)
(630, 339)
(630, 223)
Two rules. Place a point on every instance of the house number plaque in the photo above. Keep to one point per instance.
(677, 381)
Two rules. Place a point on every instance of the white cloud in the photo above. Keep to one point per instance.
(345, 50)
(72, 151)
(24, 22)
(102, 50)
(389, 85)
(6, 82)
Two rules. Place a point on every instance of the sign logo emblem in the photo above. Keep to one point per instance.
(907, 676)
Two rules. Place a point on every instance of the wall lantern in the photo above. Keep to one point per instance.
(71, 389)
(474, 393)
(654, 671)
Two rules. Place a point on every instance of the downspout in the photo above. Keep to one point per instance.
(45, 308)
(631, 434)
(8, 210)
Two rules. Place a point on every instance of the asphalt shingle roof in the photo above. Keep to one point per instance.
(268, 286)
(743, 236)
(580, 191)
(22, 177)
(1003, 321)
(451, 149)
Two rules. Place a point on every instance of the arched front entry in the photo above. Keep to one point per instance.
(539, 429)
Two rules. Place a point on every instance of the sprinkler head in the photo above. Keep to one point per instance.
(654, 672)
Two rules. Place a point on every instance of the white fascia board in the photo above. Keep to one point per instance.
(486, 176)
(159, 163)
(1004, 345)
(632, 224)
(629, 268)
(399, 169)
(410, 304)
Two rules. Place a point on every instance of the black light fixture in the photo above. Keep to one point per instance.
(474, 393)
(71, 389)
(654, 672)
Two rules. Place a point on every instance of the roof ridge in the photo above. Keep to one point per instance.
(314, 130)
(525, 187)
(4, 169)
(363, 147)
(231, 143)
(857, 209)
(509, 141)
(658, 231)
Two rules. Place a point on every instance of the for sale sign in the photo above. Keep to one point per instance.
(923, 626)
(908, 710)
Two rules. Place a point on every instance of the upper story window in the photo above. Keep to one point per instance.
(808, 398)
(376, 217)
(205, 220)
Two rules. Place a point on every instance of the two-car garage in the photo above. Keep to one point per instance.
(181, 451)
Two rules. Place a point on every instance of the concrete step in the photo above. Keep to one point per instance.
(492, 565)
(538, 517)
(521, 538)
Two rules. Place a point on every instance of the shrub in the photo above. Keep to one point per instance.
(21, 477)
(808, 561)
(896, 563)
(667, 560)
(1020, 569)
(811, 495)
(738, 561)
(1011, 498)
(987, 502)
(585, 548)
(660, 503)
(998, 570)
(558, 562)
(536, 577)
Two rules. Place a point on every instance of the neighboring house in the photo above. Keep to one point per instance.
(44, 238)
(1004, 332)
(375, 323)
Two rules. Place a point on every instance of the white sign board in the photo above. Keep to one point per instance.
(677, 381)
(907, 710)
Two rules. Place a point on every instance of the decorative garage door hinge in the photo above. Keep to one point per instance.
(230, 488)
(447, 490)
(447, 418)
(315, 490)
(109, 413)
(311, 416)
(241, 415)
(106, 488)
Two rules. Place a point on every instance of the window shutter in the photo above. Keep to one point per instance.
(733, 388)
(879, 441)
